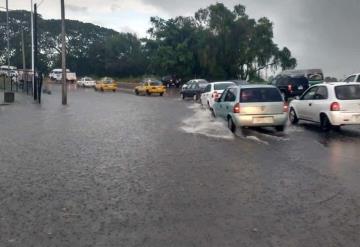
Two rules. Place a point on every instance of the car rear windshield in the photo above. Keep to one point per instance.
(222, 86)
(251, 95)
(155, 83)
(299, 81)
(348, 92)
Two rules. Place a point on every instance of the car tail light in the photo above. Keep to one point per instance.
(286, 107)
(215, 95)
(335, 106)
(290, 88)
(236, 108)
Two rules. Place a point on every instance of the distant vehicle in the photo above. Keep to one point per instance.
(150, 86)
(212, 92)
(252, 106)
(314, 76)
(106, 84)
(56, 75)
(353, 78)
(9, 71)
(331, 105)
(290, 86)
(194, 89)
(86, 82)
(171, 81)
(193, 81)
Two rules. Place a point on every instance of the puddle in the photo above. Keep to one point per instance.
(203, 123)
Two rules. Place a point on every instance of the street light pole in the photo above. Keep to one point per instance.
(8, 36)
(63, 54)
(32, 47)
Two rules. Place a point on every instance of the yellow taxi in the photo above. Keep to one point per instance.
(106, 84)
(150, 86)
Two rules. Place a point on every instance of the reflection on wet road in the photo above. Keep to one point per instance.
(115, 169)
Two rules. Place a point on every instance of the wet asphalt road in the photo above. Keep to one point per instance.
(113, 169)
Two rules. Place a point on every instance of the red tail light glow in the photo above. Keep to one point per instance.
(215, 95)
(236, 108)
(290, 88)
(335, 106)
(286, 107)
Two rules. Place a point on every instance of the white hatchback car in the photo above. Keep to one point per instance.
(353, 78)
(332, 105)
(212, 92)
(86, 82)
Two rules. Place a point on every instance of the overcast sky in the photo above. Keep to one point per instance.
(320, 33)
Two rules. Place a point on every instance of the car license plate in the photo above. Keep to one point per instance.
(300, 87)
(263, 120)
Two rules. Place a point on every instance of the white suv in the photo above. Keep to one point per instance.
(332, 105)
(353, 78)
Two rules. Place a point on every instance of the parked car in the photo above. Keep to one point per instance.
(56, 75)
(193, 81)
(353, 78)
(331, 105)
(194, 89)
(252, 106)
(150, 86)
(291, 86)
(212, 92)
(86, 82)
(171, 81)
(106, 84)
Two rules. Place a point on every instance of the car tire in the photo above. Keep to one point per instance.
(280, 128)
(114, 90)
(136, 92)
(183, 96)
(161, 94)
(148, 92)
(293, 117)
(101, 89)
(325, 124)
(231, 125)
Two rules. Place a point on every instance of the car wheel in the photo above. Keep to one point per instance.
(280, 128)
(101, 89)
(325, 123)
(114, 90)
(161, 94)
(148, 92)
(137, 92)
(213, 112)
(293, 117)
(231, 125)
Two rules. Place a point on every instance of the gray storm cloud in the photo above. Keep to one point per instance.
(322, 33)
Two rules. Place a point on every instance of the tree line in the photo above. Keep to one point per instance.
(215, 43)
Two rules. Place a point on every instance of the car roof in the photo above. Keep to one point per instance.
(222, 82)
(340, 83)
(255, 86)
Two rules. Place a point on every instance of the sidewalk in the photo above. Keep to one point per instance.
(20, 98)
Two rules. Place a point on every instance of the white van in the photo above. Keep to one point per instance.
(56, 74)
(8, 70)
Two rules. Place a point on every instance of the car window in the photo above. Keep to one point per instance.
(350, 78)
(358, 79)
(348, 92)
(208, 88)
(222, 99)
(309, 95)
(230, 95)
(249, 95)
(155, 83)
(222, 86)
(321, 93)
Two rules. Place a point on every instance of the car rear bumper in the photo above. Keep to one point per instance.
(260, 120)
(344, 118)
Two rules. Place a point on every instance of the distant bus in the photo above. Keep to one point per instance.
(315, 76)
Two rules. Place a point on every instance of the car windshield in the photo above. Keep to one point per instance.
(347, 92)
(222, 86)
(249, 95)
(107, 80)
(155, 83)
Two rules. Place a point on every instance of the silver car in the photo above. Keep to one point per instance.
(252, 106)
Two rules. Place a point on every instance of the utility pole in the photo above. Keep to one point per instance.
(63, 54)
(8, 36)
(35, 54)
(32, 47)
(23, 50)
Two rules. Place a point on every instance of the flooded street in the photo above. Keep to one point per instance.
(114, 169)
